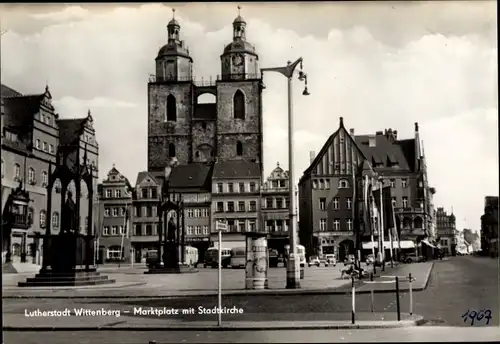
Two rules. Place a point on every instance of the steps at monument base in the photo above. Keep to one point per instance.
(51, 274)
(65, 278)
(182, 269)
(65, 283)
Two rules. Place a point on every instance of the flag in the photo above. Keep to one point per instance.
(388, 214)
(366, 210)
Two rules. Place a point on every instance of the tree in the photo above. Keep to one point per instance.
(470, 237)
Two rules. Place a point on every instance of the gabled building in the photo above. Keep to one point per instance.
(489, 227)
(145, 224)
(327, 187)
(446, 231)
(115, 209)
(194, 181)
(275, 209)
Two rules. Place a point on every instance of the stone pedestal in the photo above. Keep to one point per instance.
(171, 264)
(68, 261)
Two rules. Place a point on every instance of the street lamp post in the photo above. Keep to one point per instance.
(293, 263)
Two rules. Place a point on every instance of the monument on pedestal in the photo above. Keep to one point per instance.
(68, 256)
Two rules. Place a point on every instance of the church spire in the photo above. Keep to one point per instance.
(173, 28)
(239, 25)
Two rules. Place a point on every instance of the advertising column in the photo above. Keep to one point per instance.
(257, 261)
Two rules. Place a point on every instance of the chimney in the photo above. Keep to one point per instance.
(395, 134)
(351, 132)
(416, 127)
(312, 156)
(379, 133)
(372, 141)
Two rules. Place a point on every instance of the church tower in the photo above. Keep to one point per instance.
(170, 104)
(239, 100)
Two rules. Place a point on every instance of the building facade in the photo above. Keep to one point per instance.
(489, 227)
(115, 210)
(180, 127)
(32, 135)
(236, 196)
(446, 231)
(275, 209)
(345, 171)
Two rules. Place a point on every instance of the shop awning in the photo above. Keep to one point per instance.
(425, 241)
(404, 244)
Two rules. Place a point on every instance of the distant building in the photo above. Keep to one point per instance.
(445, 230)
(145, 224)
(32, 133)
(275, 209)
(115, 210)
(489, 227)
(326, 189)
(236, 197)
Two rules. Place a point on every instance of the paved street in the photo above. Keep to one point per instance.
(395, 335)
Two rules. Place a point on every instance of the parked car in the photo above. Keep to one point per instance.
(412, 259)
(314, 260)
(330, 260)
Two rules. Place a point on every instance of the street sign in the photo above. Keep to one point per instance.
(220, 226)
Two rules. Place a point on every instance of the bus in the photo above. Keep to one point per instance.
(212, 257)
(301, 250)
(190, 255)
(238, 257)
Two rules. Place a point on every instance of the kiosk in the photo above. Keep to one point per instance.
(257, 261)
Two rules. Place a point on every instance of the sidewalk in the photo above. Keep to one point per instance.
(19, 322)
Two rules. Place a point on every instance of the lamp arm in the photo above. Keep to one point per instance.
(286, 71)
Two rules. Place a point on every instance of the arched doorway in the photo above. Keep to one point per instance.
(346, 247)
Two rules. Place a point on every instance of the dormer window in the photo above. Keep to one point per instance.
(343, 183)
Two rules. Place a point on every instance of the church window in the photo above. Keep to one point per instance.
(171, 150)
(239, 105)
(197, 154)
(239, 148)
(171, 109)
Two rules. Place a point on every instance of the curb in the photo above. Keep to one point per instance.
(266, 326)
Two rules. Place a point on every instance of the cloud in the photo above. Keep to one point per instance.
(375, 76)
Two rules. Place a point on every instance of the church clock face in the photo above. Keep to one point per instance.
(237, 60)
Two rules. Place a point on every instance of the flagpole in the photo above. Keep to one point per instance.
(381, 234)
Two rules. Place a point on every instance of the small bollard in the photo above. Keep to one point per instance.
(372, 294)
(353, 293)
(411, 293)
(398, 309)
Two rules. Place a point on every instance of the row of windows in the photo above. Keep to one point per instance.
(120, 211)
(229, 207)
(31, 174)
(277, 203)
(117, 193)
(47, 119)
(151, 230)
(336, 225)
(197, 212)
(115, 230)
(236, 187)
(43, 218)
(197, 230)
(324, 184)
(49, 148)
(336, 203)
(241, 225)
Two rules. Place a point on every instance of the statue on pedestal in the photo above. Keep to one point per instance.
(171, 229)
(68, 215)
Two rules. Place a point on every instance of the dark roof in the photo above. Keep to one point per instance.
(144, 174)
(236, 169)
(19, 110)
(192, 176)
(205, 111)
(70, 130)
(384, 151)
(6, 91)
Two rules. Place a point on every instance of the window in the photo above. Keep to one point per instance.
(421, 203)
(230, 207)
(241, 187)
(37, 144)
(322, 203)
(105, 230)
(321, 184)
(287, 203)
(393, 183)
(205, 230)
(114, 229)
(171, 109)
(55, 220)
(171, 150)
(122, 230)
(241, 226)
(51, 148)
(204, 212)
(405, 202)
(335, 203)
(239, 105)
(322, 225)
(241, 206)
(115, 253)
(144, 193)
(349, 224)
(343, 183)
(327, 184)
(43, 218)
(138, 229)
(197, 213)
(106, 211)
(230, 187)
(269, 202)
(45, 178)
(336, 224)
(17, 171)
(31, 176)
(197, 154)
(279, 203)
(404, 183)
(253, 206)
(198, 230)
(115, 211)
(149, 211)
(394, 202)
(314, 184)
(149, 230)
(45, 147)
(230, 225)
(138, 211)
(190, 213)
(108, 193)
(251, 225)
(252, 187)
(239, 148)
(220, 207)
(349, 202)
(190, 230)
(220, 188)
(154, 193)
(118, 193)
(123, 211)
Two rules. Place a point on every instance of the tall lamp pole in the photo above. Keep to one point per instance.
(293, 263)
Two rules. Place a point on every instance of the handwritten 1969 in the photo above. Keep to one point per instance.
(473, 316)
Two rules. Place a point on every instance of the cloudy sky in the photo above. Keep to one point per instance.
(379, 65)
